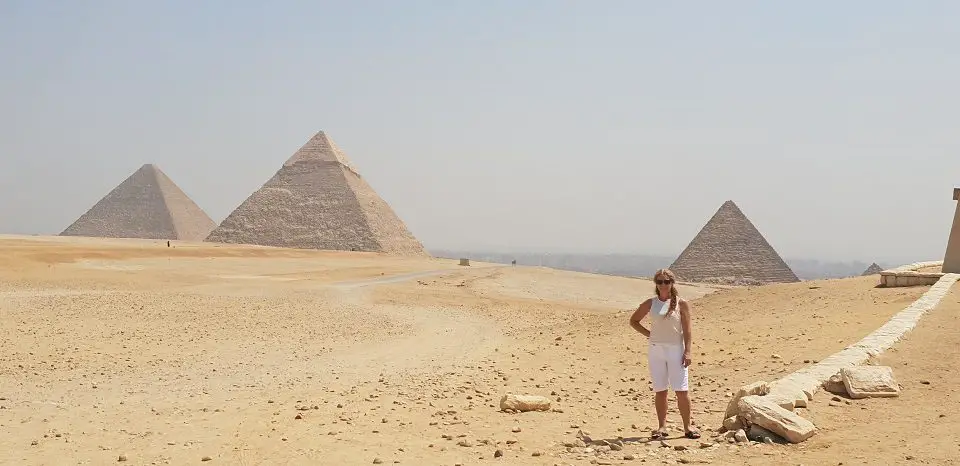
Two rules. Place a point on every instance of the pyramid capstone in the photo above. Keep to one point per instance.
(318, 200)
(149, 205)
(730, 250)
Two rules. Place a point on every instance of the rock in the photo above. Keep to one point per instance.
(740, 436)
(759, 434)
(498, 453)
(521, 403)
(786, 424)
(122, 458)
(377, 461)
(732, 424)
(757, 388)
(870, 381)
(206, 458)
(835, 385)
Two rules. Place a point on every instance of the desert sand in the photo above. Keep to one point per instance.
(212, 354)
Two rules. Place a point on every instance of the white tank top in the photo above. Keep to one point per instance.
(665, 329)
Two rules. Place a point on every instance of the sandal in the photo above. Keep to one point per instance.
(658, 435)
(692, 434)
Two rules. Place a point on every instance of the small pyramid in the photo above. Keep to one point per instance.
(872, 270)
(730, 250)
(149, 205)
(318, 200)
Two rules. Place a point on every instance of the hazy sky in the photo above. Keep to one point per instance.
(606, 126)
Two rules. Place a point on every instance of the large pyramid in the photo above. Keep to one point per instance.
(318, 200)
(730, 250)
(147, 204)
(872, 270)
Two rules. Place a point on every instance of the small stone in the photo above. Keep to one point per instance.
(206, 458)
(377, 461)
(629, 457)
(122, 458)
(498, 453)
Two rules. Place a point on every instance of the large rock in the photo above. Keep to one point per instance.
(870, 381)
(757, 388)
(522, 403)
(787, 424)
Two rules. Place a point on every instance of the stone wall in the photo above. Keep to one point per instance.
(796, 389)
(909, 275)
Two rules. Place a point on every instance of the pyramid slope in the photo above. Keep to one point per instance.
(872, 270)
(148, 205)
(730, 250)
(316, 200)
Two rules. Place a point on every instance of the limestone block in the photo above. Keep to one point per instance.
(522, 403)
(870, 381)
(835, 385)
(732, 424)
(787, 424)
(756, 388)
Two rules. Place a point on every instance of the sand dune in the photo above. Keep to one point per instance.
(249, 355)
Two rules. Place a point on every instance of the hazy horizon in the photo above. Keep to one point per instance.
(559, 126)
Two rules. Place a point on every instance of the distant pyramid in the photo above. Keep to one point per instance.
(317, 200)
(730, 250)
(147, 204)
(872, 270)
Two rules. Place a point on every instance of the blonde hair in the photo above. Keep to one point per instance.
(674, 295)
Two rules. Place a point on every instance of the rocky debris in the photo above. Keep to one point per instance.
(757, 410)
(522, 403)
(759, 434)
(869, 381)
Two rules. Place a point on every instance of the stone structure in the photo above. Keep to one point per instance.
(796, 389)
(147, 204)
(872, 270)
(318, 200)
(910, 275)
(951, 260)
(730, 250)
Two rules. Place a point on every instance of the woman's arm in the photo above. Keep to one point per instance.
(687, 331)
(638, 315)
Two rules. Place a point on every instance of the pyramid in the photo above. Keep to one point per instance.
(872, 270)
(318, 200)
(730, 250)
(147, 204)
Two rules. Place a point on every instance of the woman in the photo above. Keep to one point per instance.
(669, 348)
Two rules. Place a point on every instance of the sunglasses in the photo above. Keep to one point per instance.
(663, 282)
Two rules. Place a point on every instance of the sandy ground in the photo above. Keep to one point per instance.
(244, 355)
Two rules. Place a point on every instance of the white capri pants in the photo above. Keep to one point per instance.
(666, 367)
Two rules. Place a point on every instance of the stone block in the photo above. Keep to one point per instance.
(521, 403)
(757, 388)
(870, 382)
(785, 423)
